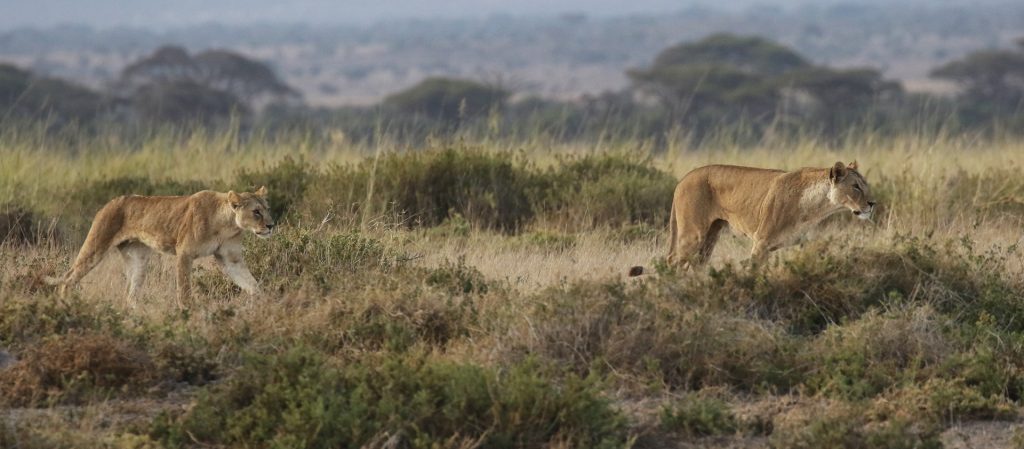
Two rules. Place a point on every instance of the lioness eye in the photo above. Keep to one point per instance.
(257, 213)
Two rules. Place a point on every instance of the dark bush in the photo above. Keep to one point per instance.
(286, 183)
(495, 190)
(425, 188)
(21, 226)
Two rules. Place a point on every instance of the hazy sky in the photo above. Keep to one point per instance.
(163, 13)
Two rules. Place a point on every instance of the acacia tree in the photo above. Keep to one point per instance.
(172, 85)
(725, 78)
(167, 64)
(243, 77)
(991, 81)
(26, 95)
(447, 100)
(184, 102)
(837, 98)
(722, 72)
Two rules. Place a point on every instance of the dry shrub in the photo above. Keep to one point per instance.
(70, 368)
(597, 326)
(941, 402)
(393, 317)
(832, 424)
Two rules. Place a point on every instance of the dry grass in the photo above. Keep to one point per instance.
(555, 295)
(69, 368)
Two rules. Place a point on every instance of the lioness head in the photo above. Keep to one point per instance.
(252, 213)
(849, 189)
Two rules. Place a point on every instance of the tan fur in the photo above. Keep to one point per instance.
(771, 207)
(203, 224)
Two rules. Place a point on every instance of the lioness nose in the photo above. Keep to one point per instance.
(271, 225)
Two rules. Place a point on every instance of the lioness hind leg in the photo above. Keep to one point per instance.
(91, 254)
(694, 241)
(686, 250)
(136, 256)
(707, 246)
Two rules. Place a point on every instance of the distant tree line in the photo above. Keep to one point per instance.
(169, 86)
(723, 81)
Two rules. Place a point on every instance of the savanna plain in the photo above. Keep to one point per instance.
(472, 292)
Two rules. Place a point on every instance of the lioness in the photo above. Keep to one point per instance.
(772, 207)
(203, 224)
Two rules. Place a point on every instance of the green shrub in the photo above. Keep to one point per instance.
(696, 416)
(185, 361)
(426, 188)
(866, 357)
(394, 314)
(495, 190)
(992, 359)
(605, 189)
(837, 425)
(297, 399)
(829, 282)
(941, 402)
(548, 240)
(31, 318)
(457, 278)
(632, 234)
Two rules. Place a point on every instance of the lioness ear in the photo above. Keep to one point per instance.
(262, 192)
(234, 199)
(852, 166)
(837, 172)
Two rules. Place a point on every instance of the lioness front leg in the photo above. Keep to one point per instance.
(761, 250)
(232, 262)
(184, 273)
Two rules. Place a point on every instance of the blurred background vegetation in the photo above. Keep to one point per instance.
(819, 79)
